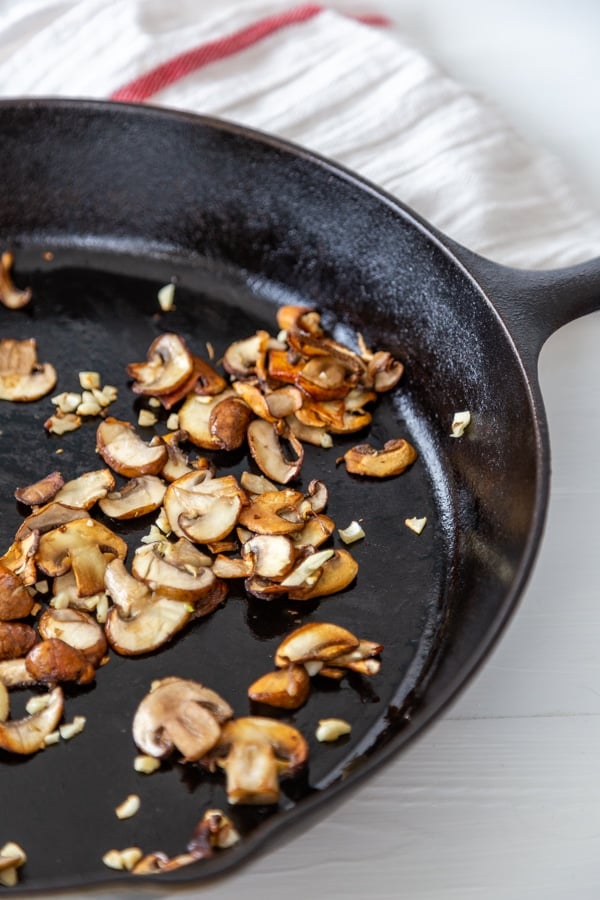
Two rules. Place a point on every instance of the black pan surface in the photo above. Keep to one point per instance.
(127, 199)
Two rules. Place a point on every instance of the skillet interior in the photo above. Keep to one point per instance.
(128, 198)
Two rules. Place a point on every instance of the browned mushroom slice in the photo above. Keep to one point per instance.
(383, 371)
(284, 401)
(28, 735)
(20, 557)
(255, 752)
(264, 588)
(125, 452)
(299, 318)
(317, 530)
(317, 436)
(274, 512)
(41, 491)
(16, 639)
(265, 447)
(76, 628)
(87, 489)
(22, 378)
(169, 363)
(15, 600)
(284, 688)
(53, 660)
(48, 517)
(315, 641)
(255, 398)
(324, 378)
(203, 509)
(138, 497)
(256, 484)
(10, 296)
(273, 555)
(178, 463)
(336, 574)
(396, 456)
(228, 422)
(360, 659)
(241, 357)
(153, 625)
(179, 714)
(232, 567)
(207, 380)
(129, 595)
(172, 574)
(195, 417)
(83, 545)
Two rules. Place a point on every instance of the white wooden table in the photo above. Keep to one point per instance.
(501, 798)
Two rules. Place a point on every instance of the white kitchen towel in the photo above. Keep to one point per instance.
(350, 87)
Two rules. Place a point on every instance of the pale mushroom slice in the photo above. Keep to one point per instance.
(266, 449)
(360, 659)
(15, 600)
(255, 752)
(140, 496)
(317, 436)
(77, 628)
(242, 357)
(274, 512)
(40, 492)
(4, 702)
(178, 463)
(153, 625)
(11, 296)
(316, 531)
(129, 595)
(125, 452)
(22, 378)
(85, 490)
(315, 642)
(48, 517)
(179, 714)
(83, 545)
(203, 509)
(195, 418)
(232, 567)
(28, 735)
(169, 363)
(396, 456)
(14, 674)
(273, 555)
(172, 573)
(336, 574)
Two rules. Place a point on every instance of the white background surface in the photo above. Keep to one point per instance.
(501, 798)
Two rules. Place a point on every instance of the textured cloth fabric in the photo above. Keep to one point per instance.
(350, 87)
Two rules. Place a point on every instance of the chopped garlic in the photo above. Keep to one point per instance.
(52, 738)
(122, 859)
(37, 704)
(313, 666)
(129, 807)
(416, 525)
(154, 401)
(332, 729)
(147, 418)
(61, 424)
(42, 586)
(352, 533)
(173, 422)
(153, 536)
(166, 296)
(146, 764)
(69, 730)
(459, 423)
(66, 402)
(89, 380)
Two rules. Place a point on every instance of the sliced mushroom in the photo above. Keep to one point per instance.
(274, 512)
(129, 595)
(305, 319)
(284, 401)
(53, 660)
(27, 735)
(255, 752)
(284, 688)
(41, 491)
(76, 628)
(15, 600)
(10, 296)
(241, 357)
(254, 397)
(317, 530)
(179, 714)
(169, 363)
(16, 639)
(336, 574)
(317, 436)
(13, 673)
(273, 555)
(163, 569)
(125, 452)
(87, 489)
(22, 378)
(178, 463)
(315, 641)
(138, 497)
(383, 371)
(265, 447)
(228, 423)
(20, 557)
(195, 418)
(232, 567)
(360, 659)
(4, 702)
(256, 484)
(396, 456)
(203, 509)
(83, 545)
(154, 624)
(48, 517)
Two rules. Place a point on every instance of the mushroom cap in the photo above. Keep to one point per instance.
(336, 574)
(125, 452)
(284, 688)
(15, 600)
(54, 660)
(195, 418)
(11, 296)
(179, 714)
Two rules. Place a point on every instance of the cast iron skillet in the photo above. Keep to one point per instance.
(126, 198)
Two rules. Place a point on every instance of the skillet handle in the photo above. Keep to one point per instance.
(534, 303)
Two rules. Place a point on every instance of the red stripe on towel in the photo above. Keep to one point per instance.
(183, 64)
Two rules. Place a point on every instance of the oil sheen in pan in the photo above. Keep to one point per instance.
(93, 311)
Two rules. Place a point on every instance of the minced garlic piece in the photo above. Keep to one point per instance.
(66, 402)
(146, 418)
(61, 424)
(416, 525)
(459, 423)
(332, 729)
(122, 859)
(129, 807)
(173, 422)
(89, 380)
(69, 730)
(352, 533)
(146, 765)
(12, 857)
(166, 297)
